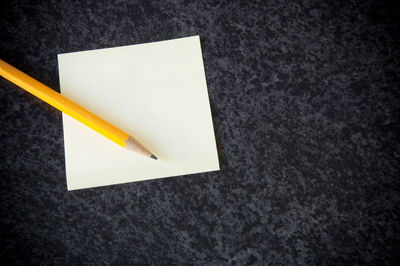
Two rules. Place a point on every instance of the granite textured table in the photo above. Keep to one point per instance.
(305, 101)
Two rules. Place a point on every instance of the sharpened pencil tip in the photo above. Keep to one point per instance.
(153, 157)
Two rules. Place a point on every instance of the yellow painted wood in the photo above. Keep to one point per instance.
(62, 103)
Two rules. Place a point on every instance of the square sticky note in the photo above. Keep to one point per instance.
(156, 92)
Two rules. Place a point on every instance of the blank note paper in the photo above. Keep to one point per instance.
(156, 92)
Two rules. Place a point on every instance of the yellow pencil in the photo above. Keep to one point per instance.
(72, 109)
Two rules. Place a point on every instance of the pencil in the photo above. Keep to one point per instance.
(72, 109)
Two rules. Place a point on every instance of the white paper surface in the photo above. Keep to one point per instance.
(156, 92)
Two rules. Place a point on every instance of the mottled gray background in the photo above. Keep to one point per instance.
(305, 101)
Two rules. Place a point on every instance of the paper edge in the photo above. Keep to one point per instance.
(144, 180)
(126, 46)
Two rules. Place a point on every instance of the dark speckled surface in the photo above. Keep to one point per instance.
(305, 99)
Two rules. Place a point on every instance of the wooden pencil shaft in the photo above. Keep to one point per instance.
(70, 108)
